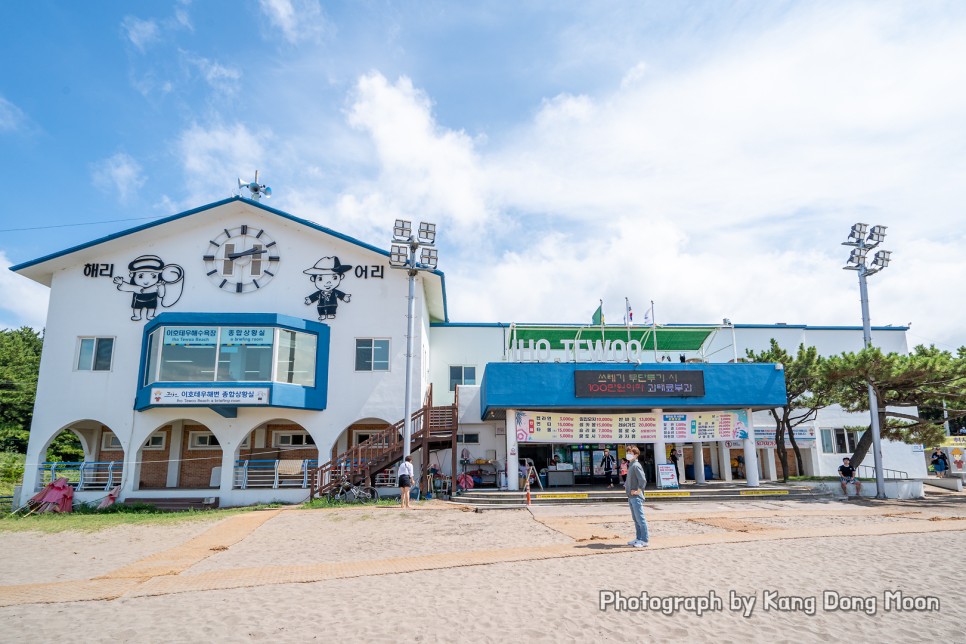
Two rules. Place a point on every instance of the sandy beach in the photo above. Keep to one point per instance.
(443, 574)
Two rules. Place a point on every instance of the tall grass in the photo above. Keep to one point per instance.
(11, 471)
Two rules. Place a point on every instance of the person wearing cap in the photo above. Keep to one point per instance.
(326, 275)
(148, 276)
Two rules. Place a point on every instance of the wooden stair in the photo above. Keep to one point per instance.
(432, 428)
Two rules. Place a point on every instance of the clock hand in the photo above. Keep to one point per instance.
(250, 251)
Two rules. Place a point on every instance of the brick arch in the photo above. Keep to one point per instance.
(265, 442)
(355, 432)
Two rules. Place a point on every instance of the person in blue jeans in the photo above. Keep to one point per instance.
(634, 485)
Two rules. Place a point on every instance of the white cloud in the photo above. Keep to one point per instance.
(424, 168)
(298, 20)
(12, 117)
(213, 157)
(219, 77)
(719, 189)
(141, 33)
(119, 174)
(22, 301)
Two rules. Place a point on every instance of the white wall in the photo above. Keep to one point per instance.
(85, 306)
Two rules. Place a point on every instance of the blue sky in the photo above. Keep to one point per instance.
(710, 156)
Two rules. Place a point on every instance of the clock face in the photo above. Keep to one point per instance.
(241, 259)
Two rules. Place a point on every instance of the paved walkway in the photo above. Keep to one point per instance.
(168, 572)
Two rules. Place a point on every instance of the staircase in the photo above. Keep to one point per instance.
(432, 428)
(503, 499)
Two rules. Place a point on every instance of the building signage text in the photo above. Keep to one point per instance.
(638, 384)
(209, 396)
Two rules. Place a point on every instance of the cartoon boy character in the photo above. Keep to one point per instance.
(152, 282)
(327, 273)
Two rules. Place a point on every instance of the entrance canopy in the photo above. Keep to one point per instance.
(615, 387)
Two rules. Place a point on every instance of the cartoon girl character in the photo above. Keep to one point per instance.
(151, 282)
(327, 273)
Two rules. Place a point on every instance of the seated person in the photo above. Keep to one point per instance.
(846, 476)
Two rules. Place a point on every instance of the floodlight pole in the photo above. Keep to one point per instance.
(857, 261)
(410, 332)
(403, 256)
(873, 399)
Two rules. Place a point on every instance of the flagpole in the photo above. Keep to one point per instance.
(602, 340)
(654, 330)
(627, 323)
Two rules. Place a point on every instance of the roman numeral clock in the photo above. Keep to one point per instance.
(241, 259)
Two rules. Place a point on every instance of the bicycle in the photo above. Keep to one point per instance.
(347, 492)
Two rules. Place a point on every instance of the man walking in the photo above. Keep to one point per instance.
(634, 485)
(608, 463)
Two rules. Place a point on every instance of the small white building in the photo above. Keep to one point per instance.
(231, 350)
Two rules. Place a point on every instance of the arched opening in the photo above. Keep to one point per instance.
(157, 459)
(358, 432)
(85, 452)
(278, 453)
(199, 455)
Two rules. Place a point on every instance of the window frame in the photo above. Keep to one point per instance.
(96, 339)
(155, 448)
(372, 351)
(304, 435)
(461, 438)
(830, 436)
(107, 444)
(462, 379)
(155, 349)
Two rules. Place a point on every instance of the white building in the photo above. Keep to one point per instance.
(230, 350)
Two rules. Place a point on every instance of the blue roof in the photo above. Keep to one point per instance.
(550, 386)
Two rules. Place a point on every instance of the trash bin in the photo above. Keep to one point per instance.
(543, 479)
(689, 472)
(708, 474)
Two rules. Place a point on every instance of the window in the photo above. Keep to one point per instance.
(245, 354)
(230, 354)
(95, 354)
(293, 439)
(839, 440)
(188, 354)
(460, 375)
(202, 440)
(372, 355)
(296, 358)
(470, 439)
(110, 441)
(207, 440)
(155, 442)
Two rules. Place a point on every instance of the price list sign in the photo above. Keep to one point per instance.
(549, 427)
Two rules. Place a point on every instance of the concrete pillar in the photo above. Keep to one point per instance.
(680, 448)
(132, 468)
(660, 445)
(810, 460)
(715, 465)
(512, 452)
(698, 463)
(724, 459)
(175, 441)
(229, 454)
(771, 473)
(751, 455)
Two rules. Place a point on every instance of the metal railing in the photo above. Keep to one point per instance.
(867, 471)
(86, 475)
(267, 474)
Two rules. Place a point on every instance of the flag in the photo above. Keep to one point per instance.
(647, 318)
(629, 317)
(599, 315)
